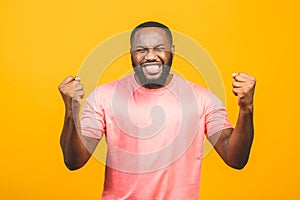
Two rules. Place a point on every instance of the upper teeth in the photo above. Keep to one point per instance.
(152, 67)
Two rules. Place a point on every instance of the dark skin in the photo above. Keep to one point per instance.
(77, 149)
(151, 45)
(233, 145)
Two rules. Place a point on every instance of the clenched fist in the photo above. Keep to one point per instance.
(243, 87)
(72, 92)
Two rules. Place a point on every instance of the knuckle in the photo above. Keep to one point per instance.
(62, 90)
(60, 86)
(252, 85)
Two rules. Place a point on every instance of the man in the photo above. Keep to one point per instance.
(154, 123)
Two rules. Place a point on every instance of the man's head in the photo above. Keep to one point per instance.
(152, 54)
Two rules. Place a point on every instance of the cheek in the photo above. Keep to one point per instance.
(165, 57)
(137, 59)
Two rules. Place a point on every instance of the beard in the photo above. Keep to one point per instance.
(153, 83)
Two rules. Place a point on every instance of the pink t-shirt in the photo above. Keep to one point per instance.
(154, 136)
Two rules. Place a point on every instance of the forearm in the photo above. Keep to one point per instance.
(240, 141)
(74, 151)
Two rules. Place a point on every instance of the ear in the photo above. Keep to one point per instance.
(173, 49)
(131, 52)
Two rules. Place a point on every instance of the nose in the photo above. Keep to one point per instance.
(151, 54)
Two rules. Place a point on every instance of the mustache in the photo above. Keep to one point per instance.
(160, 61)
(151, 63)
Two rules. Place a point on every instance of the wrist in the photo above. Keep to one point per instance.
(68, 112)
(72, 108)
(71, 112)
(247, 108)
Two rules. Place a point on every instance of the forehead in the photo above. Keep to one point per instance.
(150, 36)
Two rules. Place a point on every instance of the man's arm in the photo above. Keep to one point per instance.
(77, 149)
(234, 145)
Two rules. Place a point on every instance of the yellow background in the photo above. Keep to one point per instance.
(43, 42)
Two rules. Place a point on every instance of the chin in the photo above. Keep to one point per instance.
(152, 81)
(153, 78)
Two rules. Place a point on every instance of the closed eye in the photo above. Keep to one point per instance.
(160, 49)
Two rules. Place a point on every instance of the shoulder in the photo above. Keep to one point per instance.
(203, 95)
(197, 89)
(104, 93)
(110, 87)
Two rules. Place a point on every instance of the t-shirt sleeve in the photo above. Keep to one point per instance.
(93, 117)
(216, 118)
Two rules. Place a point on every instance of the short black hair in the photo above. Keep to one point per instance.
(152, 24)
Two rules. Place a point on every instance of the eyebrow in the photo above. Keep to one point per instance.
(140, 46)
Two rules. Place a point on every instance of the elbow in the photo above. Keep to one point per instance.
(74, 161)
(72, 166)
(237, 164)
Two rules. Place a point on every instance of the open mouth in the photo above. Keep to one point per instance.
(152, 69)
